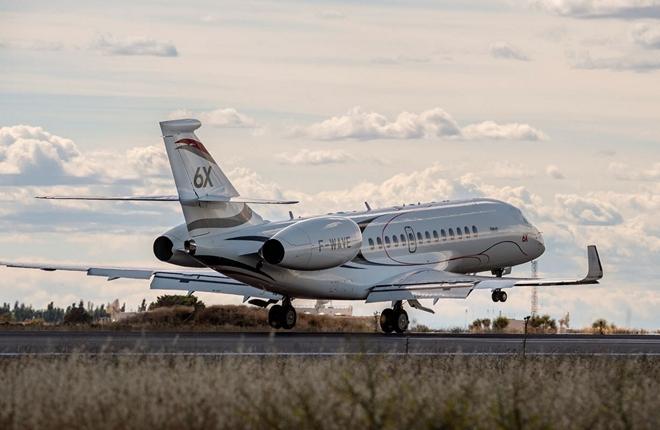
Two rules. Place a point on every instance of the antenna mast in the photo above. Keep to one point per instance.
(535, 289)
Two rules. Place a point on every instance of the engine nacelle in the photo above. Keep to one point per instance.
(314, 244)
(168, 247)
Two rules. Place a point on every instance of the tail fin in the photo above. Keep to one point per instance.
(203, 188)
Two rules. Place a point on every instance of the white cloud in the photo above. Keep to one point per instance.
(588, 210)
(628, 9)
(221, 118)
(506, 51)
(362, 125)
(110, 45)
(29, 154)
(400, 59)
(315, 157)
(646, 35)
(554, 172)
(150, 160)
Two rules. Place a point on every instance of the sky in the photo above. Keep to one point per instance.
(552, 105)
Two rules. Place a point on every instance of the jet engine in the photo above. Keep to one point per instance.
(169, 246)
(314, 244)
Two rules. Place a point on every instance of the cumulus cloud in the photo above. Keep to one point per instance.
(150, 160)
(646, 35)
(588, 210)
(400, 59)
(626, 9)
(363, 125)
(507, 51)
(221, 118)
(311, 157)
(554, 172)
(110, 45)
(29, 154)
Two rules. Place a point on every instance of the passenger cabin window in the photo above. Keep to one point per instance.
(459, 233)
(474, 230)
(371, 243)
(419, 237)
(380, 242)
(387, 241)
(403, 239)
(467, 231)
(395, 241)
(443, 233)
(411, 237)
(451, 234)
(435, 235)
(428, 236)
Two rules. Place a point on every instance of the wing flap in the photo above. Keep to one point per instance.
(207, 283)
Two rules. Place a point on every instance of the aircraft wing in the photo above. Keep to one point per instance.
(438, 284)
(198, 280)
(207, 199)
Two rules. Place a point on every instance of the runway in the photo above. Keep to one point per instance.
(16, 343)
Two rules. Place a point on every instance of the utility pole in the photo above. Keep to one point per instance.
(535, 290)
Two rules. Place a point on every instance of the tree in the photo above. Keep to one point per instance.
(600, 325)
(543, 323)
(500, 323)
(480, 324)
(177, 300)
(143, 306)
(77, 315)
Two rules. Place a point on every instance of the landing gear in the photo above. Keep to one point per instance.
(282, 316)
(395, 319)
(499, 296)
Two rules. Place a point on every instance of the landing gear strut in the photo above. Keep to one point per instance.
(499, 296)
(394, 319)
(283, 316)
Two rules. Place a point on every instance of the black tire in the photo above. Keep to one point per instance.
(400, 321)
(495, 296)
(288, 317)
(387, 320)
(275, 316)
(503, 296)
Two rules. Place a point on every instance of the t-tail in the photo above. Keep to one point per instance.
(208, 199)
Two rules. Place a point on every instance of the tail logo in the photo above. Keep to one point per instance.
(202, 178)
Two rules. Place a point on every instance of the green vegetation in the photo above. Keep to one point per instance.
(500, 323)
(542, 324)
(370, 392)
(176, 300)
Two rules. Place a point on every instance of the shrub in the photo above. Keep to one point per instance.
(500, 323)
(77, 314)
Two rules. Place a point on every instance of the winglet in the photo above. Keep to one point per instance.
(595, 271)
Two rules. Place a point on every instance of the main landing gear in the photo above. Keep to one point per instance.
(283, 316)
(394, 319)
(499, 296)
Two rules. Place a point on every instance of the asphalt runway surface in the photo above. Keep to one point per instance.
(16, 343)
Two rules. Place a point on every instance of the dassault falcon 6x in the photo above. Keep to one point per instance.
(398, 254)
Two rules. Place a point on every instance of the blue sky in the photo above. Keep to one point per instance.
(549, 104)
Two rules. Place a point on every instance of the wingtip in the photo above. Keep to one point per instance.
(595, 271)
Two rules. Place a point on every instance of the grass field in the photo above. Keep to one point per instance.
(330, 393)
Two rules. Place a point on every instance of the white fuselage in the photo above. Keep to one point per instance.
(455, 236)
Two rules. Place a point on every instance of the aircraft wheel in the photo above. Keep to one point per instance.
(387, 320)
(503, 296)
(495, 296)
(400, 321)
(289, 317)
(275, 316)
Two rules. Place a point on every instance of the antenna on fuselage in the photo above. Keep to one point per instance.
(290, 214)
(367, 205)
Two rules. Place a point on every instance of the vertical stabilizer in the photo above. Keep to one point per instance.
(198, 176)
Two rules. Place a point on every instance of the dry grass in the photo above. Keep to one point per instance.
(330, 393)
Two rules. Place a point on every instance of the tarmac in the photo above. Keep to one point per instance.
(51, 342)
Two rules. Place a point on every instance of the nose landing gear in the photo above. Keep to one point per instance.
(499, 296)
(394, 319)
(283, 316)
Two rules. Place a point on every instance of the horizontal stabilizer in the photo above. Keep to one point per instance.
(207, 199)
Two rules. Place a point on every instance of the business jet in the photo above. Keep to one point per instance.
(399, 254)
